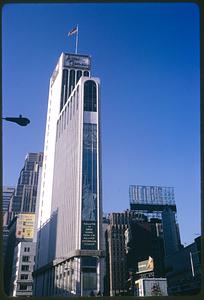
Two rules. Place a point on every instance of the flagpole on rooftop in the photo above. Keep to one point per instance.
(77, 40)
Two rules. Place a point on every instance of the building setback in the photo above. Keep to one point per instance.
(69, 245)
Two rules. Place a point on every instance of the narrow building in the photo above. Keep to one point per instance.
(69, 220)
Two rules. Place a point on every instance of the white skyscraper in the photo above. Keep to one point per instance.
(69, 221)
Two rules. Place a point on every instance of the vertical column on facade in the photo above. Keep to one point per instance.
(63, 275)
(98, 271)
(60, 278)
(72, 276)
(77, 275)
(69, 276)
(55, 281)
(66, 277)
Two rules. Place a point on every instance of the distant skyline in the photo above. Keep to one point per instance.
(147, 56)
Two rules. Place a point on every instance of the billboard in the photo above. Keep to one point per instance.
(25, 225)
(77, 61)
(89, 234)
(140, 194)
(151, 287)
(146, 265)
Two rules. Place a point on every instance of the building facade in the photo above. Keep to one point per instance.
(131, 238)
(151, 287)
(184, 270)
(20, 229)
(172, 242)
(24, 199)
(116, 262)
(70, 214)
(8, 193)
(23, 263)
(158, 202)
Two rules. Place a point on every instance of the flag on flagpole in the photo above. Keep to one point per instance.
(73, 31)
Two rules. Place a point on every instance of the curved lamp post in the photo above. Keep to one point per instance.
(19, 120)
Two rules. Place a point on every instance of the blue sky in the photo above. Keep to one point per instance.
(147, 58)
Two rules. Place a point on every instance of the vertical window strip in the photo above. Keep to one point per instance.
(64, 88)
(90, 96)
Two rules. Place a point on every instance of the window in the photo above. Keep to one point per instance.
(23, 287)
(24, 276)
(25, 258)
(27, 249)
(86, 73)
(89, 281)
(90, 96)
(64, 88)
(25, 268)
(79, 74)
(71, 81)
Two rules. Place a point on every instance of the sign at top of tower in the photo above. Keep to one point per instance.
(77, 61)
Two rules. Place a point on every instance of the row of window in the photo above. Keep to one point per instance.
(25, 258)
(25, 268)
(69, 80)
(24, 287)
(69, 272)
(24, 276)
(90, 104)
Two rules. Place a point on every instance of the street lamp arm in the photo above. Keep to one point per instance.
(19, 120)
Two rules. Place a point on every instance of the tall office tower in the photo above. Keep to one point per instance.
(24, 199)
(8, 193)
(69, 221)
(116, 263)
